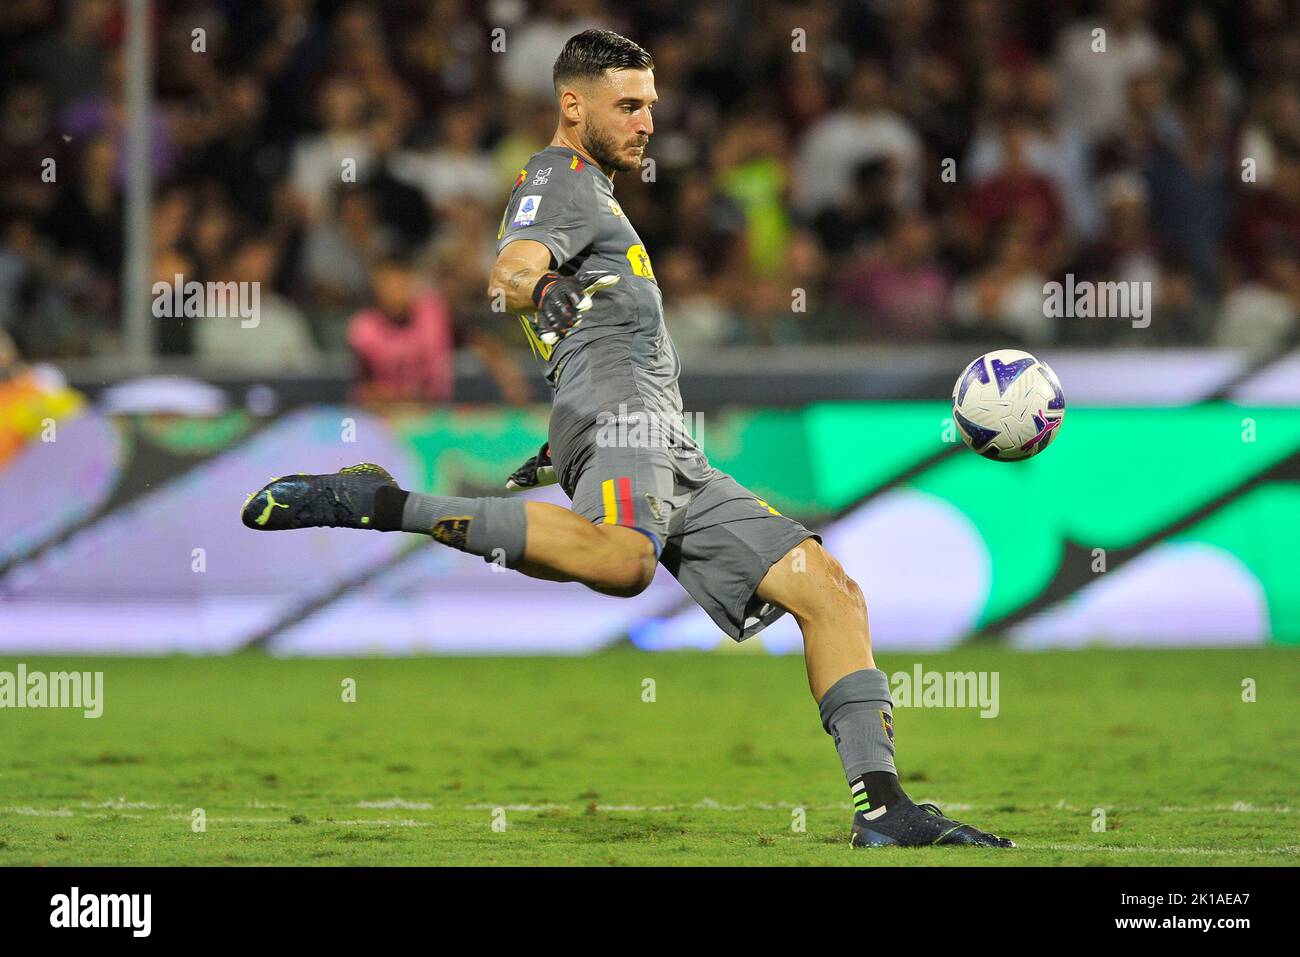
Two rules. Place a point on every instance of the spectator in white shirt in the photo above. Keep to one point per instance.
(321, 160)
(1094, 78)
(864, 128)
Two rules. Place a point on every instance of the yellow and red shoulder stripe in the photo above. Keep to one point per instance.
(576, 163)
(519, 180)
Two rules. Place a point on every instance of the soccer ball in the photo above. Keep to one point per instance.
(1008, 405)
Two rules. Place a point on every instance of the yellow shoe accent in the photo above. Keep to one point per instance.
(266, 512)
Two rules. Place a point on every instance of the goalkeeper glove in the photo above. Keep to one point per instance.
(536, 472)
(561, 301)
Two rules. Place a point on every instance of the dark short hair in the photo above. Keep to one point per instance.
(399, 257)
(590, 53)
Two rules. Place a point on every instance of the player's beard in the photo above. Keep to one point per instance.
(605, 150)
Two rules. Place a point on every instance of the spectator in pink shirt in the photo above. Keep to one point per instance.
(405, 343)
(901, 292)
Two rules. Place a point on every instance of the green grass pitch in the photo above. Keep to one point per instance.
(584, 771)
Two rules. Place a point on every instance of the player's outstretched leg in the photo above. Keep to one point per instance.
(855, 704)
(535, 538)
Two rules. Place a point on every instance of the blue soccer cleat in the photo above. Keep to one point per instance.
(345, 499)
(906, 824)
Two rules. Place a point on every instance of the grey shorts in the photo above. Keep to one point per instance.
(715, 536)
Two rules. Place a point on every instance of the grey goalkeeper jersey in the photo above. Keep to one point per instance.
(618, 369)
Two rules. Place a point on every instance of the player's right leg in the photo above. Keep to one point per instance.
(535, 538)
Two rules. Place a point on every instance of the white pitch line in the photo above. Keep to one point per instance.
(1285, 851)
(405, 822)
(382, 822)
(1131, 849)
(211, 819)
(954, 806)
(120, 805)
(37, 812)
(1236, 807)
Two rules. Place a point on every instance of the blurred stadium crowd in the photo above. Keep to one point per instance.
(1173, 157)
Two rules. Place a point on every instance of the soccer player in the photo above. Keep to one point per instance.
(573, 268)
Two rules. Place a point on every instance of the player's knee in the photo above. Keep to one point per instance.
(846, 593)
(834, 593)
(630, 566)
(857, 598)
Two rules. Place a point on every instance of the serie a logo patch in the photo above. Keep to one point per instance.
(888, 721)
(527, 211)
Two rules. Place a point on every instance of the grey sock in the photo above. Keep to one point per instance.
(492, 527)
(858, 713)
